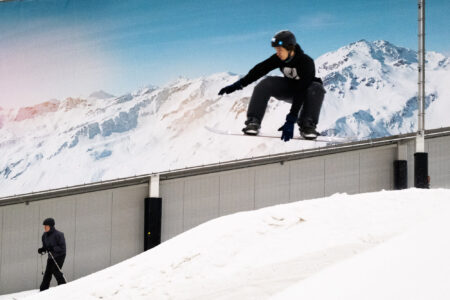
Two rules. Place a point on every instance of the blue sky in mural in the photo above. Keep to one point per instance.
(60, 48)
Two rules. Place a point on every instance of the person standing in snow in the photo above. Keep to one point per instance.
(299, 86)
(54, 243)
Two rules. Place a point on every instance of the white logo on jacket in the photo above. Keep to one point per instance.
(291, 73)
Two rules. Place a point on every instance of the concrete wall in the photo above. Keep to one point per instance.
(438, 162)
(190, 201)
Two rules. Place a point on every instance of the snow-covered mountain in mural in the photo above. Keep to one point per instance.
(371, 92)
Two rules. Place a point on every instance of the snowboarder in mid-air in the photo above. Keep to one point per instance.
(299, 86)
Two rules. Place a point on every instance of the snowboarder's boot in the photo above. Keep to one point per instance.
(252, 126)
(309, 133)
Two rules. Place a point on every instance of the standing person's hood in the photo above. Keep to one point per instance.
(50, 222)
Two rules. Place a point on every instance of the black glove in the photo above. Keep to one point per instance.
(49, 249)
(231, 88)
(288, 128)
(41, 250)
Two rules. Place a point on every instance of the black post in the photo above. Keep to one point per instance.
(152, 222)
(421, 178)
(400, 174)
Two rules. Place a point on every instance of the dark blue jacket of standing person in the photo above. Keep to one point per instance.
(53, 241)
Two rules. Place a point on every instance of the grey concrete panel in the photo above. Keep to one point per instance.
(172, 193)
(237, 191)
(377, 169)
(271, 185)
(307, 179)
(93, 232)
(439, 162)
(19, 248)
(201, 200)
(342, 173)
(128, 222)
(63, 211)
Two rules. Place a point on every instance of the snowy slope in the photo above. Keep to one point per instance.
(413, 266)
(384, 245)
(371, 93)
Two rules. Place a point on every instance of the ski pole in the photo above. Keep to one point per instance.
(57, 266)
(42, 265)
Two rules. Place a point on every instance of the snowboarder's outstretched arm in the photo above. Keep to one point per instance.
(254, 74)
(260, 70)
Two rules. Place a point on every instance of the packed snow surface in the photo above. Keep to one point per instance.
(382, 245)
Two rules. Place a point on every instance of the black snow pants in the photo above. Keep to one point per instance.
(283, 89)
(52, 269)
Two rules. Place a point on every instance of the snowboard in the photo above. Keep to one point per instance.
(320, 138)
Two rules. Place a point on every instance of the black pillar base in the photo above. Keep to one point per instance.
(400, 174)
(421, 178)
(152, 222)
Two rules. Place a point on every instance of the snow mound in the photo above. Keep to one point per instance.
(412, 266)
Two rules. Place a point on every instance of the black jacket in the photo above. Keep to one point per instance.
(300, 69)
(54, 241)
